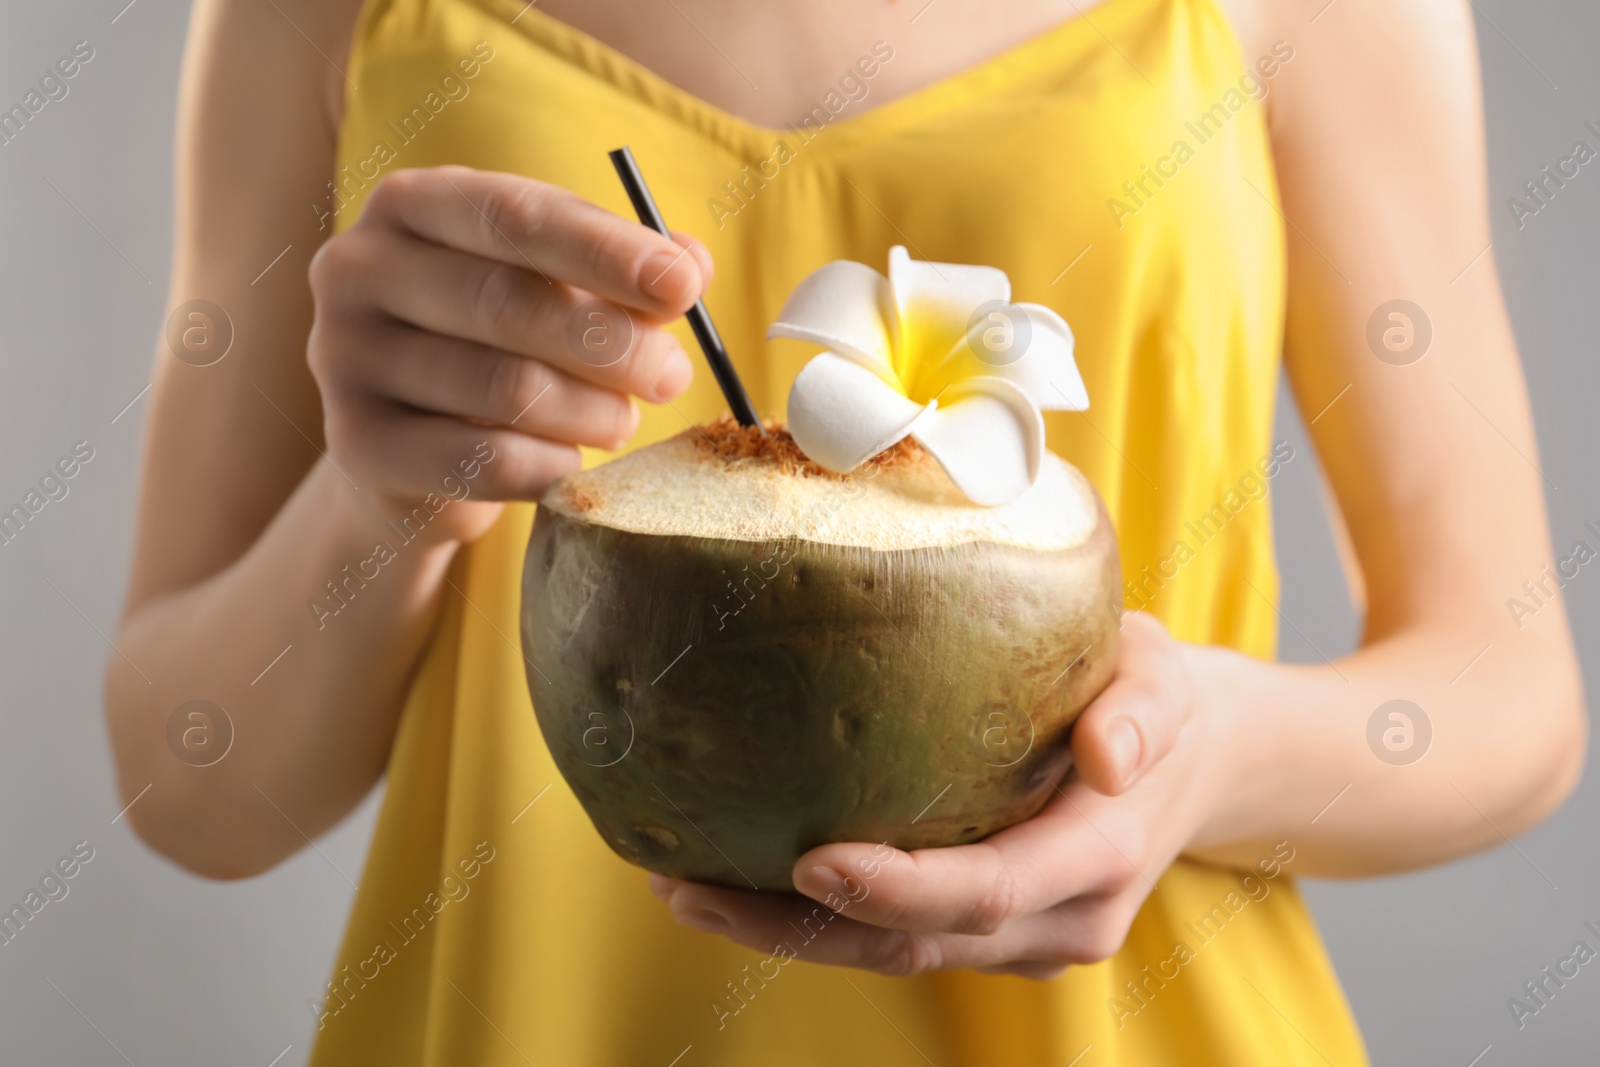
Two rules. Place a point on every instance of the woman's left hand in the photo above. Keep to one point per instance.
(1060, 888)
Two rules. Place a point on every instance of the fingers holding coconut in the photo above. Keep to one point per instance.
(977, 889)
(450, 376)
(1082, 930)
(1134, 723)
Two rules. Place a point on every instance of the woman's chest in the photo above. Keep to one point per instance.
(768, 62)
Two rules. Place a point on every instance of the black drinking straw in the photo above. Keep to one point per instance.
(699, 319)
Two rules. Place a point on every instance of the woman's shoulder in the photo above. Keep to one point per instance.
(1330, 24)
(1358, 53)
(289, 47)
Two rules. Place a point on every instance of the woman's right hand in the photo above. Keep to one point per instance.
(465, 307)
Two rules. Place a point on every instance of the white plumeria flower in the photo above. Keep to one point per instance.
(935, 351)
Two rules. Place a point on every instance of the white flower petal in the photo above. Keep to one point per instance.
(989, 437)
(845, 307)
(926, 352)
(1031, 348)
(841, 414)
(934, 303)
(1049, 372)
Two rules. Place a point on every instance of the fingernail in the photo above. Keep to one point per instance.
(820, 882)
(660, 887)
(675, 379)
(707, 922)
(658, 266)
(1126, 749)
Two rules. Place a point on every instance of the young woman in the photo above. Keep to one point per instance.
(1196, 185)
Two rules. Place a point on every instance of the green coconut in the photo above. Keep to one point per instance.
(736, 656)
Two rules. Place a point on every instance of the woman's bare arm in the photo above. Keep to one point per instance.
(410, 358)
(1380, 147)
(226, 446)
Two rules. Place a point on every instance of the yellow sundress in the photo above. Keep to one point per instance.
(1117, 168)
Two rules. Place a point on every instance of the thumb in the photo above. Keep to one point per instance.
(1135, 721)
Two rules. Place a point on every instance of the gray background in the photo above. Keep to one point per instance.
(144, 962)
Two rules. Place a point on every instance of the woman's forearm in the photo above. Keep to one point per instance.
(307, 644)
(1480, 749)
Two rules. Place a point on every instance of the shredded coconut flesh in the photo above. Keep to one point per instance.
(726, 481)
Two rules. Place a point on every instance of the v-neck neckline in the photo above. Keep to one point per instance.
(632, 77)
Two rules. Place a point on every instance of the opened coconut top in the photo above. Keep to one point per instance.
(726, 481)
